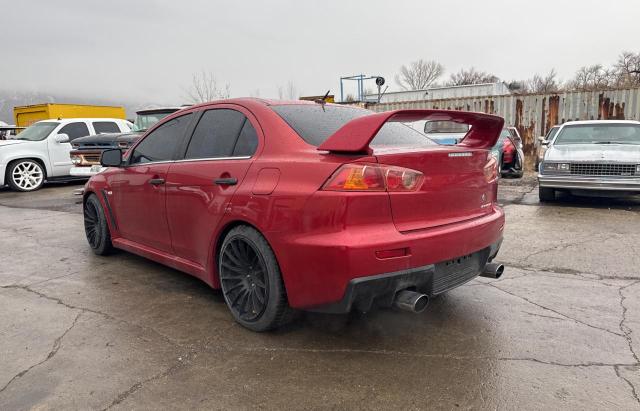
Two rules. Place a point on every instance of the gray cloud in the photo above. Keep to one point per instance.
(146, 50)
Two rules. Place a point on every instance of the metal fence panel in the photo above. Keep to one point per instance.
(535, 114)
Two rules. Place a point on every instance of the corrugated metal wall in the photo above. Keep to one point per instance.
(534, 114)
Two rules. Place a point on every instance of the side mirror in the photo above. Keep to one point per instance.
(543, 141)
(111, 158)
(62, 138)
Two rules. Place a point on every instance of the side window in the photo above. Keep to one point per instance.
(75, 130)
(216, 134)
(247, 142)
(162, 143)
(105, 127)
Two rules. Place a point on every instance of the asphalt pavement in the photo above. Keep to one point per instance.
(560, 329)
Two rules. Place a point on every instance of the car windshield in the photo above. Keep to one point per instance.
(552, 133)
(38, 131)
(145, 121)
(315, 123)
(599, 134)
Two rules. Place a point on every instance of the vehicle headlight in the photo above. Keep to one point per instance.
(556, 167)
(638, 169)
(76, 160)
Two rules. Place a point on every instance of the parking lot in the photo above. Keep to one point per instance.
(561, 328)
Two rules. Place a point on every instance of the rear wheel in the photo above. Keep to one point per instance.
(546, 194)
(251, 281)
(96, 227)
(25, 175)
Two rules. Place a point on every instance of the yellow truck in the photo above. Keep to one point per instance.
(26, 115)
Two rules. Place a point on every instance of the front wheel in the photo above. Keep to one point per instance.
(251, 281)
(25, 175)
(96, 227)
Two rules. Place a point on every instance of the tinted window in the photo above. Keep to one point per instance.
(105, 127)
(247, 142)
(75, 130)
(162, 143)
(216, 134)
(315, 123)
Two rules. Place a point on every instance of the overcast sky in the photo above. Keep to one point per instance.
(147, 50)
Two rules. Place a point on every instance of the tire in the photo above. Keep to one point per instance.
(249, 273)
(96, 227)
(546, 194)
(25, 175)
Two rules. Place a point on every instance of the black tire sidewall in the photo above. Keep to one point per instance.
(15, 164)
(104, 246)
(276, 298)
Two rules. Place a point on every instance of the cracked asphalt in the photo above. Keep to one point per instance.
(561, 328)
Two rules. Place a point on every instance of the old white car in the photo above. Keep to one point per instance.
(599, 157)
(41, 152)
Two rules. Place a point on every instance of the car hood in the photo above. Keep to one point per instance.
(614, 153)
(4, 143)
(105, 138)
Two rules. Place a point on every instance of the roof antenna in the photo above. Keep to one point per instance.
(322, 101)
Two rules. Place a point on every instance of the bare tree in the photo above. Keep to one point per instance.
(594, 77)
(280, 93)
(471, 76)
(292, 91)
(204, 87)
(419, 74)
(546, 84)
(628, 69)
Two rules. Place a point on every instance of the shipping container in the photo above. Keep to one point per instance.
(26, 115)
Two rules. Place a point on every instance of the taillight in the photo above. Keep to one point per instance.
(373, 177)
(491, 169)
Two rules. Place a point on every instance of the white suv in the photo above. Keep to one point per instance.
(41, 151)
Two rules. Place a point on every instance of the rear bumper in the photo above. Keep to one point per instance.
(83, 171)
(362, 293)
(322, 270)
(589, 183)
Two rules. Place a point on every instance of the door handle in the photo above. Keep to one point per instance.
(156, 181)
(228, 181)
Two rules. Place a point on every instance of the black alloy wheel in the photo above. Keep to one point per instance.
(95, 226)
(251, 281)
(244, 275)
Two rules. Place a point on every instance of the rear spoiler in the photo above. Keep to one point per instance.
(355, 136)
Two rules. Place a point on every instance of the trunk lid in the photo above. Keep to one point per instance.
(454, 188)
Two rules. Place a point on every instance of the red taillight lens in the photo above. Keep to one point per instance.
(491, 169)
(373, 177)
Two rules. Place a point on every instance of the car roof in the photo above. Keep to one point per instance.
(602, 122)
(159, 110)
(71, 120)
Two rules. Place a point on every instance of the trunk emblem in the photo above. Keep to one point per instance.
(463, 154)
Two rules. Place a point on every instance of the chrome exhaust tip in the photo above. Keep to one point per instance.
(411, 301)
(492, 270)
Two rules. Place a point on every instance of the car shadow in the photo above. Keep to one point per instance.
(564, 199)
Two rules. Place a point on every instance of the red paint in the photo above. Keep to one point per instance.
(355, 136)
(322, 239)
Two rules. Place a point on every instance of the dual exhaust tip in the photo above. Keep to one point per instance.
(415, 302)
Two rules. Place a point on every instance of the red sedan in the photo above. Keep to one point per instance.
(301, 205)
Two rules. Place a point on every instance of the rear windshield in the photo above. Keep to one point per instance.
(315, 124)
